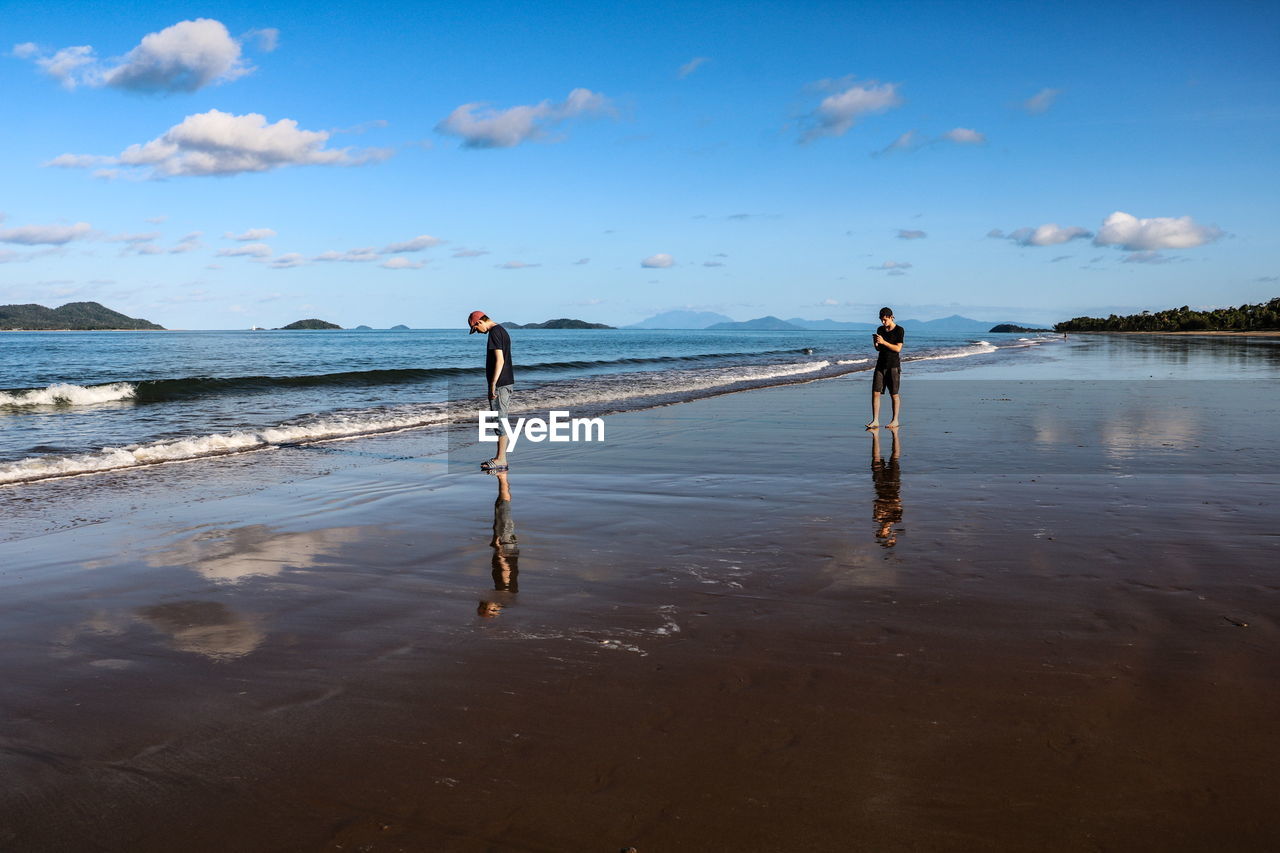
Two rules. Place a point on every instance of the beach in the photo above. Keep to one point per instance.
(1040, 615)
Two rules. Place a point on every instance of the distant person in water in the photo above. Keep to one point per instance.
(499, 376)
(888, 375)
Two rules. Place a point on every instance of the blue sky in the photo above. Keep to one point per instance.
(389, 163)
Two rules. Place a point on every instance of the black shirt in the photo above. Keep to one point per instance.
(888, 358)
(499, 340)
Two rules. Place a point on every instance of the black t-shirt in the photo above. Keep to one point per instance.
(888, 358)
(499, 340)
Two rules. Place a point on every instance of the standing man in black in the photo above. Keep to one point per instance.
(888, 375)
(500, 378)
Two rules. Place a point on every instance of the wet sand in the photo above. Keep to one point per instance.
(1049, 623)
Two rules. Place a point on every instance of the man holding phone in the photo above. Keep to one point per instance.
(888, 374)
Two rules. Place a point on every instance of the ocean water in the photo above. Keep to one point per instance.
(77, 403)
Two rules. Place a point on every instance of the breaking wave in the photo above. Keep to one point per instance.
(66, 394)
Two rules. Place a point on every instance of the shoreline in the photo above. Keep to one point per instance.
(1227, 333)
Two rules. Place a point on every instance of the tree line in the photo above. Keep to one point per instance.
(1263, 317)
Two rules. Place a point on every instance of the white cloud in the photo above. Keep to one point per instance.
(70, 66)
(515, 265)
(218, 143)
(253, 234)
(134, 238)
(188, 243)
(658, 261)
(911, 235)
(182, 58)
(286, 261)
(268, 38)
(909, 141)
(1041, 101)
(157, 220)
(363, 255)
(402, 264)
(1162, 232)
(417, 244)
(252, 250)
(479, 126)
(892, 265)
(713, 263)
(469, 253)
(691, 66)
(914, 140)
(838, 112)
(1049, 234)
(1147, 257)
(829, 303)
(45, 235)
(580, 261)
(964, 136)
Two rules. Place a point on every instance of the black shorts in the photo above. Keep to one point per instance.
(886, 379)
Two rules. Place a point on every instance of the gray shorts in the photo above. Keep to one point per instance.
(502, 402)
(887, 379)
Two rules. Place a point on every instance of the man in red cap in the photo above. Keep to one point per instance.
(500, 378)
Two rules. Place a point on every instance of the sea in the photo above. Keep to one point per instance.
(77, 404)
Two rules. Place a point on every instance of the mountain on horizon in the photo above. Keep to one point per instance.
(759, 324)
(954, 323)
(681, 320)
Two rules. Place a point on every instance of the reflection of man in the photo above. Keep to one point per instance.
(499, 376)
(506, 552)
(887, 507)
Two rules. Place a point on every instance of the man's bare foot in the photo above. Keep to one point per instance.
(873, 425)
(892, 425)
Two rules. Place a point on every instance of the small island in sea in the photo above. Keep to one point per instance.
(399, 327)
(74, 316)
(1013, 327)
(562, 323)
(1262, 317)
(308, 325)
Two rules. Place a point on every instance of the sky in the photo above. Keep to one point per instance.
(224, 165)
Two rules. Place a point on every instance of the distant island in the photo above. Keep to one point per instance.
(562, 323)
(400, 328)
(364, 328)
(1263, 317)
(74, 316)
(1010, 327)
(309, 324)
(760, 324)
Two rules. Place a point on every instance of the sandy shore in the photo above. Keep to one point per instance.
(1236, 334)
(1043, 617)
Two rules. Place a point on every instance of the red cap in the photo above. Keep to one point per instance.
(472, 319)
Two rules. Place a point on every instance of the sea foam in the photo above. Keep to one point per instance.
(66, 394)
